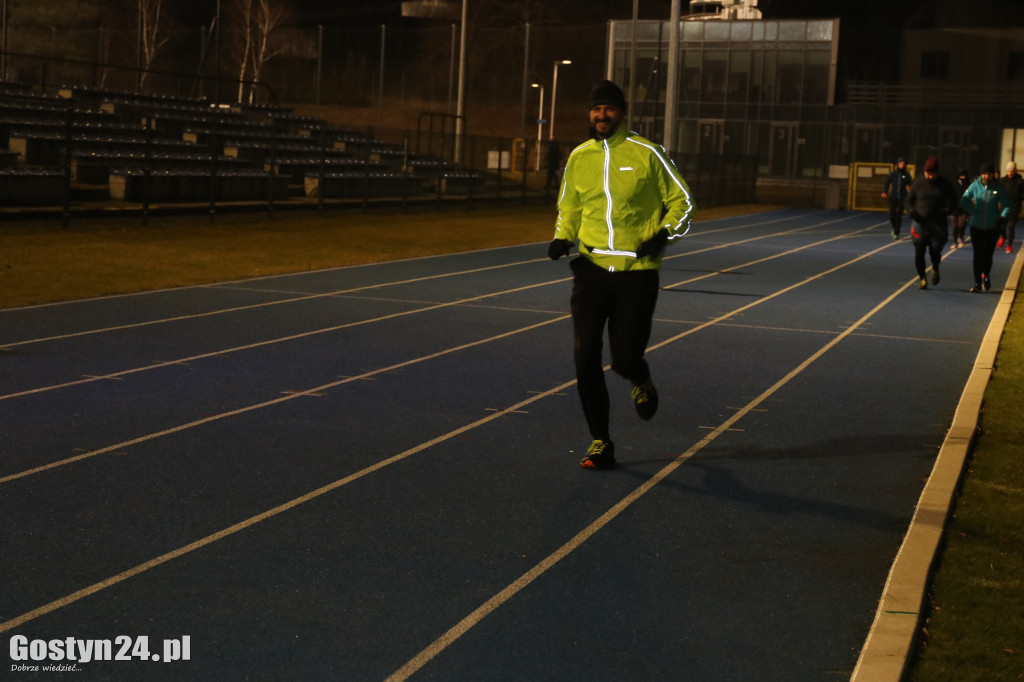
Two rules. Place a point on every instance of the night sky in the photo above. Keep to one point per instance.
(860, 13)
(373, 12)
(874, 25)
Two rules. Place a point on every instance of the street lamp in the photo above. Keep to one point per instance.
(554, 91)
(540, 120)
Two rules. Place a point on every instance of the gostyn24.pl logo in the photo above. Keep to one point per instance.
(29, 654)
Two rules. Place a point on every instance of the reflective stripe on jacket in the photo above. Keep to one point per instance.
(616, 194)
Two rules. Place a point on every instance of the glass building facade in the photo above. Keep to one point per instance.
(768, 89)
(750, 88)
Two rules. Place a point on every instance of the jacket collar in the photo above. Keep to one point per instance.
(618, 137)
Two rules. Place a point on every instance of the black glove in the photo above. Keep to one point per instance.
(558, 248)
(654, 245)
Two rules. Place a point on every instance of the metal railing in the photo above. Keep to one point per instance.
(931, 94)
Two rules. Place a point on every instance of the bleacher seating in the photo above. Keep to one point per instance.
(151, 148)
(195, 185)
(351, 185)
(95, 167)
(31, 186)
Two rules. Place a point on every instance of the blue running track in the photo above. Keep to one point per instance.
(372, 471)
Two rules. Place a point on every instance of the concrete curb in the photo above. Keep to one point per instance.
(890, 641)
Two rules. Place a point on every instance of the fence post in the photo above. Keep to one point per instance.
(272, 176)
(366, 170)
(147, 152)
(469, 169)
(526, 158)
(407, 174)
(320, 169)
(68, 141)
(214, 143)
(497, 190)
(439, 183)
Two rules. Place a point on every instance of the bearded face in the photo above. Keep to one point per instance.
(605, 120)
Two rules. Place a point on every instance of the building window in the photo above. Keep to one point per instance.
(1015, 66)
(934, 65)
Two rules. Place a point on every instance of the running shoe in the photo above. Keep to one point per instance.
(985, 283)
(976, 289)
(1009, 248)
(999, 244)
(923, 284)
(645, 397)
(600, 455)
(935, 276)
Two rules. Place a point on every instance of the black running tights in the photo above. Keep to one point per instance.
(935, 252)
(625, 300)
(984, 242)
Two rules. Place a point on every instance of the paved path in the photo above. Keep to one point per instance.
(371, 471)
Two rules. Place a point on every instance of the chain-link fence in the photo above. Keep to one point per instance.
(160, 153)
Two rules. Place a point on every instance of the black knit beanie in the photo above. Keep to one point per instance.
(988, 167)
(607, 92)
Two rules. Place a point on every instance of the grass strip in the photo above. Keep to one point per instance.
(974, 628)
(40, 263)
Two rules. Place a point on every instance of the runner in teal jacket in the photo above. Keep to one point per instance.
(986, 201)
(617, 193)
(987, 204)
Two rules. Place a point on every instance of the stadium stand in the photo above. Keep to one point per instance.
(122, 147)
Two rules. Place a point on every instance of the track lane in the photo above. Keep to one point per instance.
(514, 416)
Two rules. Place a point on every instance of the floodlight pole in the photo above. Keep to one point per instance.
(460, 112)
(540, 121)
(632, 69)
(554, 93)
(672, 78)
(3, 64)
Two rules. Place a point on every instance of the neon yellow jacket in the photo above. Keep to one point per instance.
(616, 194)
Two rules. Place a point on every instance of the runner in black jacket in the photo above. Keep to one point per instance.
(895, 190)
(959, 214)
(929, 203)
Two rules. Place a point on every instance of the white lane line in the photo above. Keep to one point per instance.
(270, 342)
(215, 285)
(297, 298)
(496, 601)
(517, 586)
(254, 306)
(318, 389)
(157, 365)
(291, 395)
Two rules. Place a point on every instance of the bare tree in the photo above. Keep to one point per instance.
(152, 34)
(255, 24)
(241, 28)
